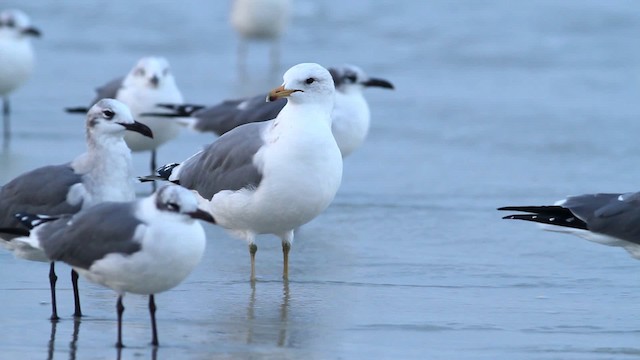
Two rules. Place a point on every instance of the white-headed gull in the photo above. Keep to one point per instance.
(274, 176)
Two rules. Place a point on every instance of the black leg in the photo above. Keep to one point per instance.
(52, 284)
(154, 167)
(120, 309)
(152, 311)
(6, 114)
(76, 295)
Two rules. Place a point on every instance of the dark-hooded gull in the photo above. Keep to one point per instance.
(142, 247)
(350, 117)
(271, 177)
(103, 173)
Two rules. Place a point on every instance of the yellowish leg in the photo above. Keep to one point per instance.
(285, 254)
(253, 248)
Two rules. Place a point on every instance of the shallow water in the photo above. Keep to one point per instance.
(496, 103)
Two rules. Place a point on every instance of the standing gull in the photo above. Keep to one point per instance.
(16, 56)
(149, 82)
(607, 219)
(350, 117)
(274, 176)
(142, 247)
(259, 20)
(103, 173)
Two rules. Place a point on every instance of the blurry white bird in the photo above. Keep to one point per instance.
(259, 20)
(143, 247)
(16, 56)
(103, 173)
(274, 176)
(149, 82)
(350, 117)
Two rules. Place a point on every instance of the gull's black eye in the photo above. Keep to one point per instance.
(108, 114)
(309, 81)
(173, 207)
(351, 78)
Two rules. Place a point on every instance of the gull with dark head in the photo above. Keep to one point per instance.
(103, 173)
(149, 82)
(274, 176)
(350, 117)
(142, 247)
(16, 56)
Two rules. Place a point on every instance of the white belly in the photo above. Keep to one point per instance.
(16, 64)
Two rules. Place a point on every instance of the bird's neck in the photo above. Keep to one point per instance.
(305, 114)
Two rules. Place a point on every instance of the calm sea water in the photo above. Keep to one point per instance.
(496, 103)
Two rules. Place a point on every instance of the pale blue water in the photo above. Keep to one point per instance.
(496, 103)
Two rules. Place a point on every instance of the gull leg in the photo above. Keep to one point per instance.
(120, 309)
(242, 56)
(152, 312)
(253, 248)
(6, 112)
(285, 255)
(76, 294)
(153, 168)
(275, 55)
(287, 240)
(53, 278)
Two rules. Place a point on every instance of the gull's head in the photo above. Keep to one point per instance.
(16, 24)
(111, 117)
(151, 72)
(307, 82)
(352, 78)
(179, 200)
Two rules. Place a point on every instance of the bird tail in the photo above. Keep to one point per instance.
(33, 220)
(175, 110)
(77, 110)
(13, 232)
(549, 215)
(163, 173)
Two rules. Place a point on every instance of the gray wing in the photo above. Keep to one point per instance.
(40, 191)
(108, 90)
(616, 215)
(92, 234)
(233, 113)
(227, 163)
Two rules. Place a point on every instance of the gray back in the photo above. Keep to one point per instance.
(227, 163)
(93, 234)
(606, 214)
(40, 191)
(108, 90)
(226, 116)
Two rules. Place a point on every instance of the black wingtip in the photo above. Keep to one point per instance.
(33, 220)
(177, 110)
(77, 110)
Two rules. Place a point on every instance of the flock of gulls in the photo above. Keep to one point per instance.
(275, 165)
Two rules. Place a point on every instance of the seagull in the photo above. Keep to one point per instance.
(148, 83)
(16, 56)
(259, 20)
(103, 173)
(351, 115)
(142, 247)
(274, 176)
(608, 219)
